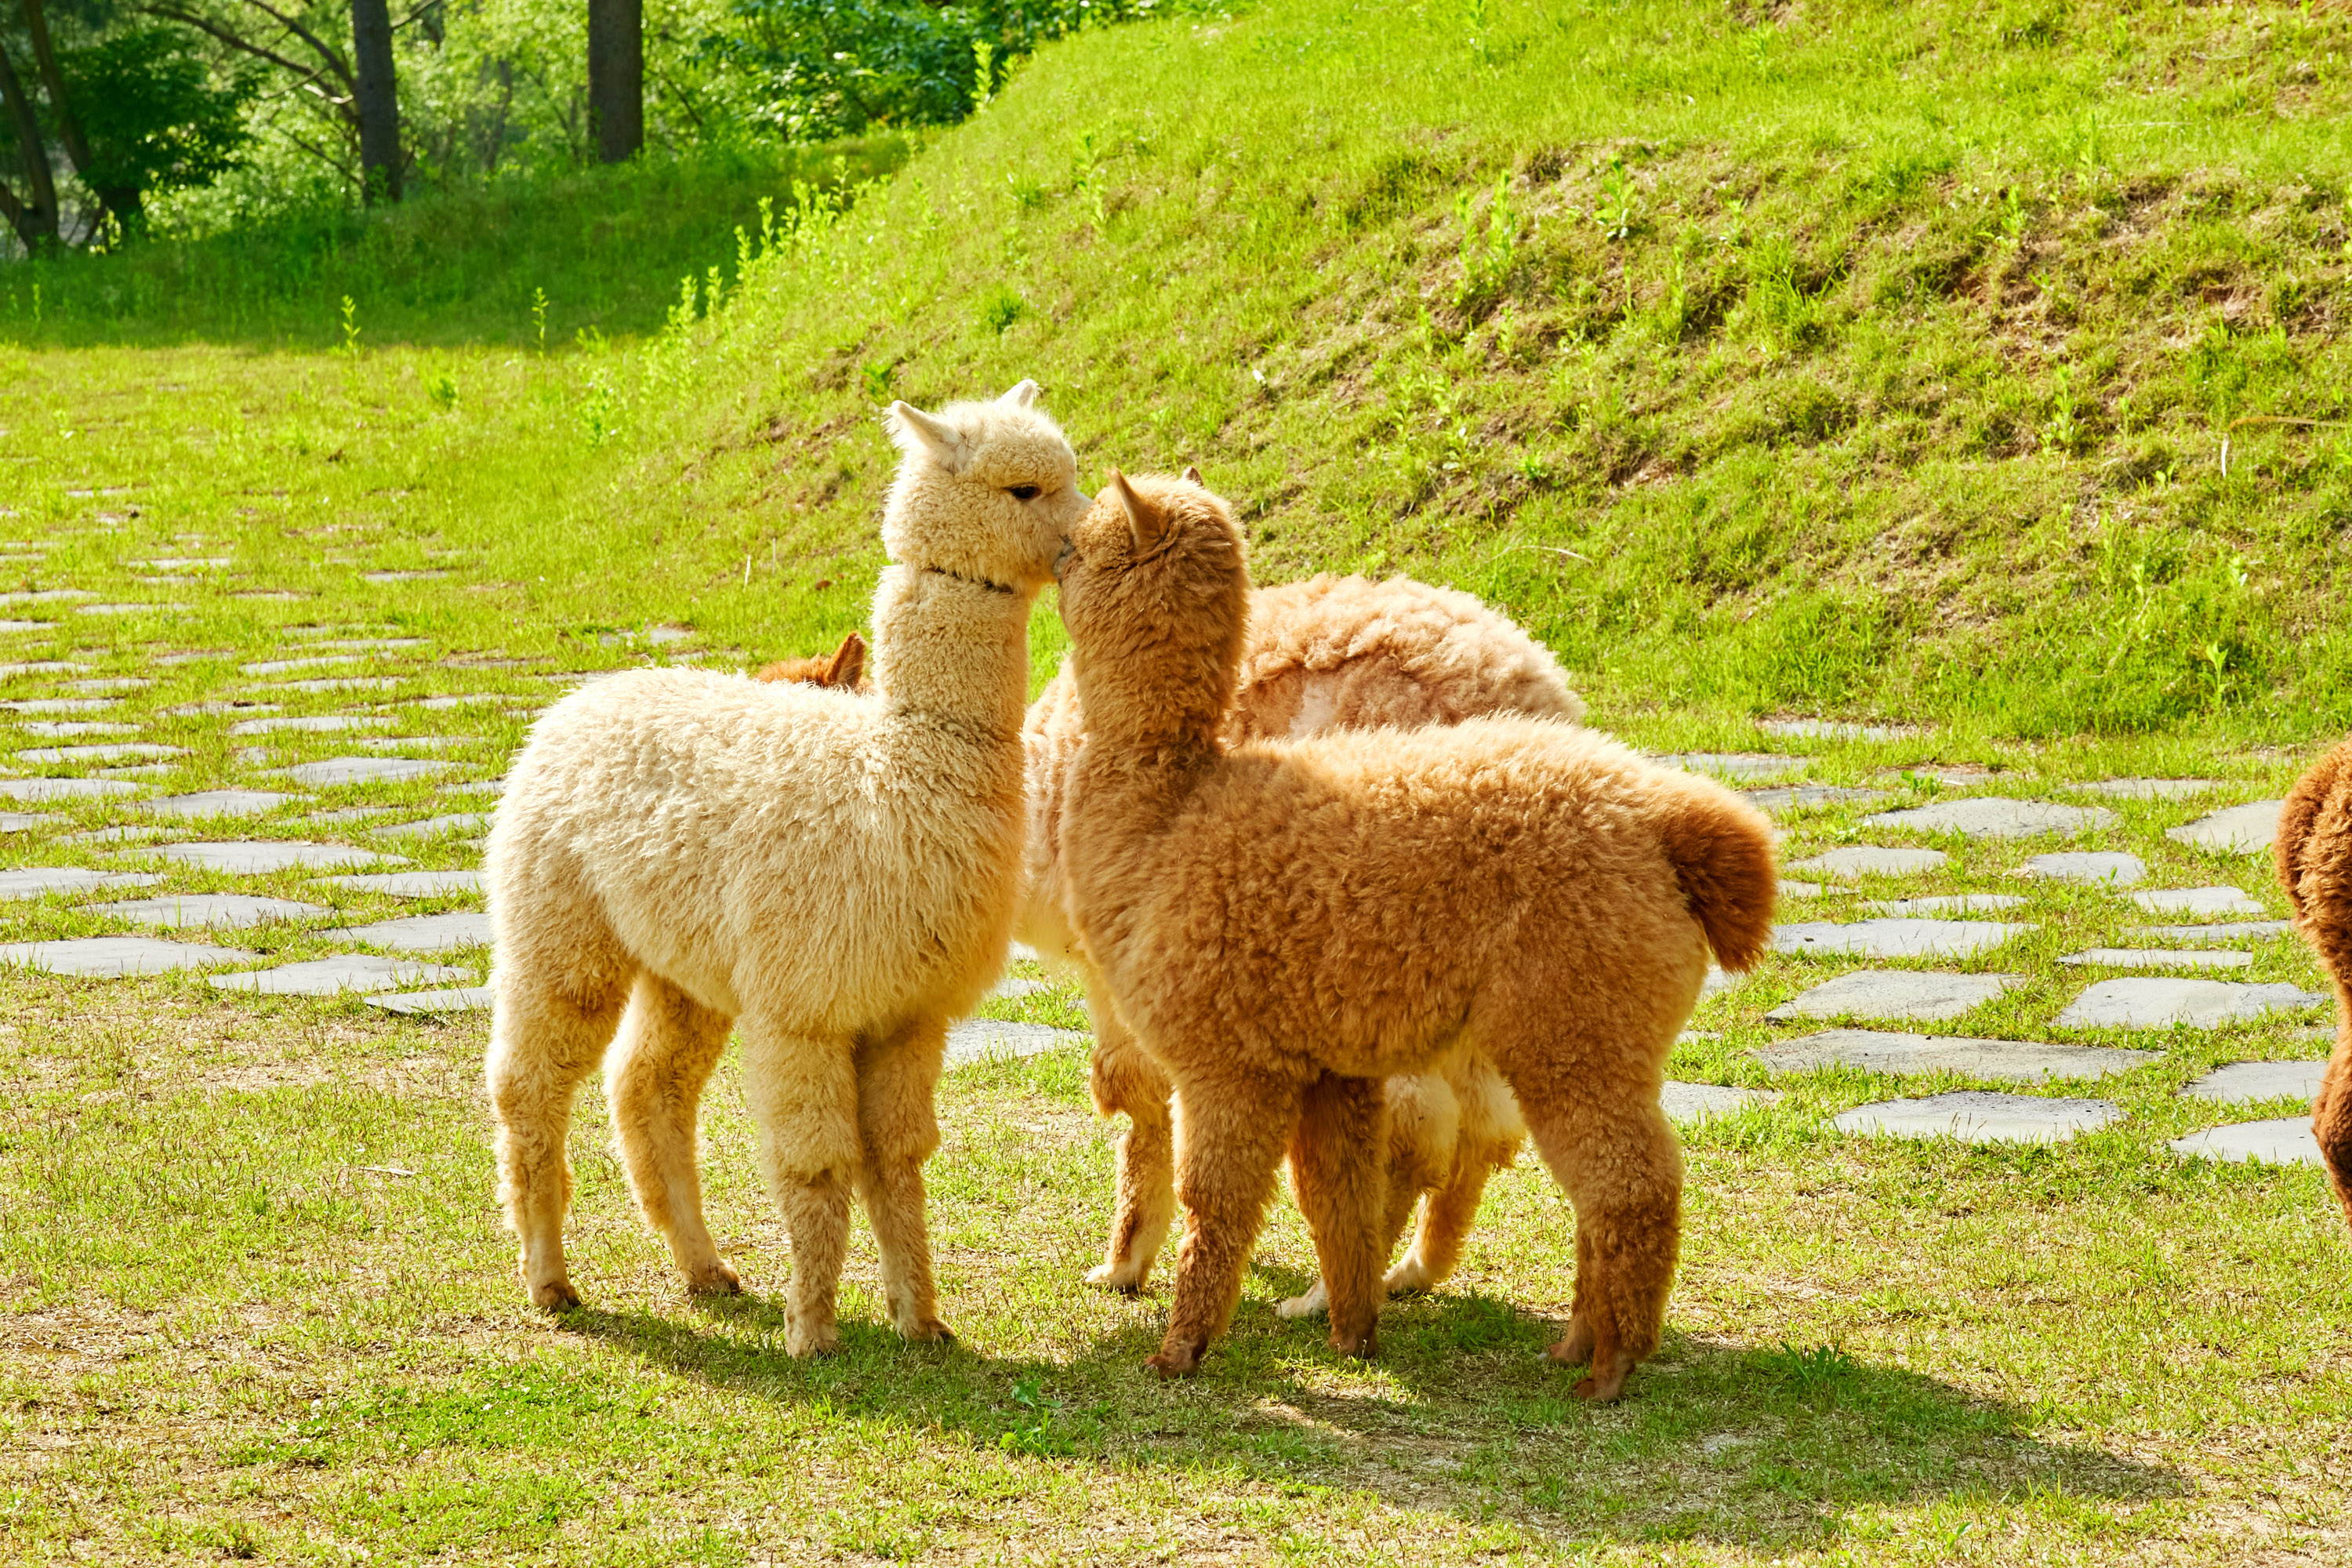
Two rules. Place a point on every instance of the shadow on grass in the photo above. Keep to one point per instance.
(1758, 1446)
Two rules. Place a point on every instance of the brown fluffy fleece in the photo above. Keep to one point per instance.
(843, 669)
(2314, 862)
(1285, 925)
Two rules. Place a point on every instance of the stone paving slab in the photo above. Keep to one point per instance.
(1805, 797)
(2197, 901)
(1981, 1115)
(2260, 1080)
(20, 821)
(64, 789)
(2014, 1061)
(1736, 764)
(218, 709)
(477, 786)
(1795, 889)
(214, 910)
(433, 826)
(289, 666)
(2239, 828)
(979, 1039)
(60, 732)
(412, 742)
(114, 752)
(464, 999)
(413, 884)
(257, 856)
(1697, 1101)
(342, 683)
(2146, 789)
(2158, 1002)
(316, 723)
(119, 955)
(1015, 985)
(1894, 938)
(2157, 958)
(1834, 730)
(2209, 935)
(60, 704)
(1947, 903)
(344, 972)
(2110, 869)
(1870, 861)
(363, 770)
(1995, 817)
(420, 934)
(216, 802)
(32, 881)
(1895, 994)
(144, 770)
(464, 699)
(2287, 1141)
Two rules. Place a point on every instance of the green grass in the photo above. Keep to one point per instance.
(1870, 360)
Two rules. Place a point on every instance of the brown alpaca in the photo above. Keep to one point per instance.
(843, 669)
(1285, 925)
(2315, 861)
(1328, 654)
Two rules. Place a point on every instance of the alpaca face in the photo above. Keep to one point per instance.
(987, 490)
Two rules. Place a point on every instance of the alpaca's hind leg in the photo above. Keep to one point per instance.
(1126, 1079)
(1423, 1123)
(544, 1039)
(1624, 1170)
(897, 1132)
(1444, 1225)
(1233, 1134)
(804, 1097)
(1337, 1160)
(667, 1045)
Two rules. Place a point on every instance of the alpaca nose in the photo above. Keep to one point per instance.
(1061, 561)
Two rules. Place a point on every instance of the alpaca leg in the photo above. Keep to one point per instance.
(1444, 1225)
(667, 1045)
(1622, 1169)
(804, 1098)
(1233, 1133)
(544, 1039)
(1422, 1123)
(1126, 1079)
(2331, 1112)
(897, 1132)
(1336, 1161)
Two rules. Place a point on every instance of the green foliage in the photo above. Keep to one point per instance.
(155, 118)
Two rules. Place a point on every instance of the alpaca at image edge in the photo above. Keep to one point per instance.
(2314, 862)
(831, 876)
(1286, 925)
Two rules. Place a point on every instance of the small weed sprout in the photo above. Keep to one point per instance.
(538, 316)
(1474, 27)
(1488, 256)
(983, 73)
(876, 377)
(351, 327)
(2063, 431)
(1614, 212)
(1001, 308)
(442, 390)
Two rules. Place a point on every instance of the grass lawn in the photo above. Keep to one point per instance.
(1849, 359)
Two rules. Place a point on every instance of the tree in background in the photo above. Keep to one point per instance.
(616, 78)
(376, 89)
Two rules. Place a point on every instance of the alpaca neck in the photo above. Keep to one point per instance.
(952, 648)
(1149, 743)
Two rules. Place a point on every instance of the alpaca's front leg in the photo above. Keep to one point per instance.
(1230, 1143)
(804, 1098)
(1126, 1080)
(1338, 1160)
(897, 1131)
(541, 1046)
(667, 1045)
(1444, 1224)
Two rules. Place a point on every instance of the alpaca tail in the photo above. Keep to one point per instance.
(1721, 848)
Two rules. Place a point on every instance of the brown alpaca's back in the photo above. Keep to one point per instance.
(2315, 863)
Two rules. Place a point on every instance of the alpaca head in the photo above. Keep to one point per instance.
(1155, 595)
(844, 668)
(985, 490)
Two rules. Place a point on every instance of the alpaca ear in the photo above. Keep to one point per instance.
(1023, 396)
(1145, 524)
(1191, 475)
(913, 429)
(848, 662)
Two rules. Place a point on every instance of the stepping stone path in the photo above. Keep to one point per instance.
(113, 753)
(1895, 994)
(1872, 860)
(420, 934)
(1995, 817)
(64, 789)
(1947, 903)
(363, 770)
(1697, 1101)
(983, 1039)
(119, 955)
(2195, 901)
(87, 727)
(1804, 797)
(464, 999)
(2014, 1061)
(433, 826)
(1979, 1116)
(2240, 829)
(2287, 1141)
(2146, 789)
(1833, 730)
(289, 666)
(214, 910)
(313, 723)
(359, 971)
(2260, 1080)
(2206, 936)
(413, 884)
(259, 857)
(2110, 869)
(342, 683)
(1894, 938)
(216, 802)
(2156, 1004)
(2157, 958)
(1736, 764)
(33, 882)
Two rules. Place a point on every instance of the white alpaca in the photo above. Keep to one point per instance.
(835, 877)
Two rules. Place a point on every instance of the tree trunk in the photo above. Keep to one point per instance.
(379, 98)
(34, 215)
(616, 78)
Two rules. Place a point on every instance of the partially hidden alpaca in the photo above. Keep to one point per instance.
(1328, 654)
(834, 877)
(845, 668)
(2315, 861)
(1285, 925)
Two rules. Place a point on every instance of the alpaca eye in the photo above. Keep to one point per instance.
(1023, 492)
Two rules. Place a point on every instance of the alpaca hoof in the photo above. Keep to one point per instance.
(554, 1295)
(802, 1342)
(930, 1331)
(1574, 1347)
(1407, 1279)
(719, 1278)
(1175, 1361)
(1303, 1306)
(1363, 1347)
(1606, 1382)
(1123, 1278)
